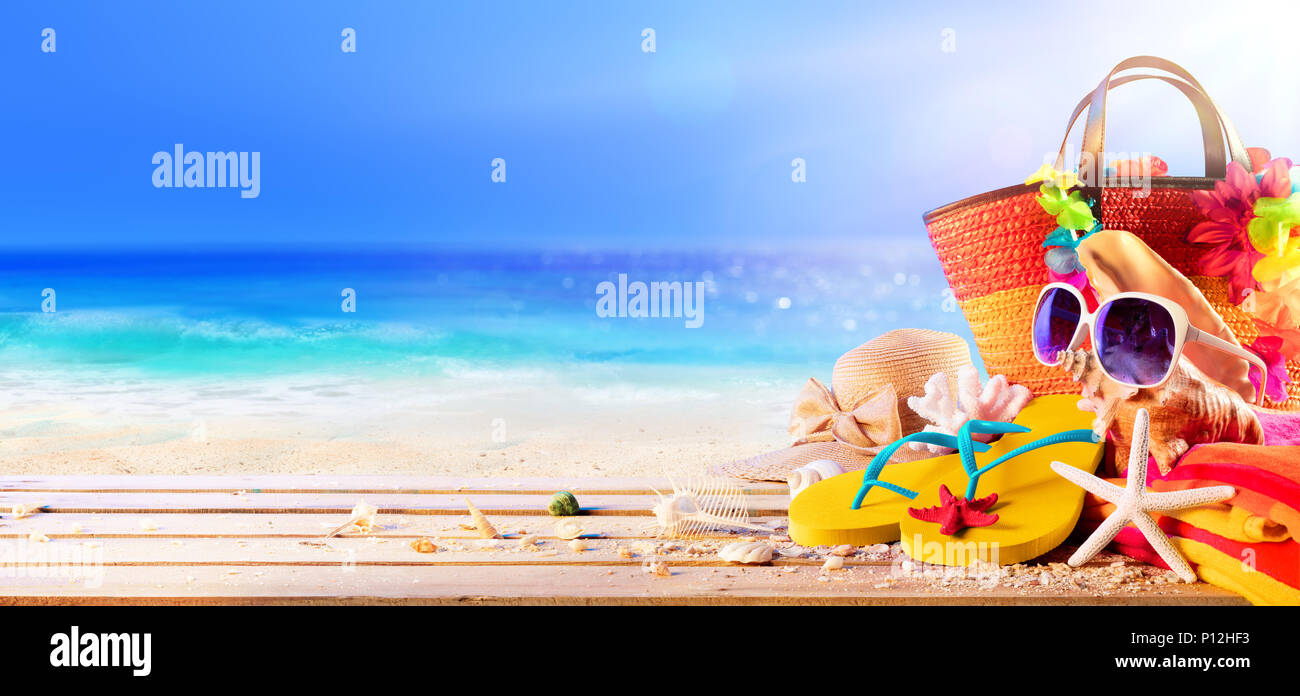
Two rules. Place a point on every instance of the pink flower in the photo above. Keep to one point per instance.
(1078, 279)
(1230, 208)
(1276, 182)
(1269, 349)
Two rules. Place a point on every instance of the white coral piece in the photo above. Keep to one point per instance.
(996, 400)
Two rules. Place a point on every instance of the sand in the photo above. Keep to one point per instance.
(537, 422)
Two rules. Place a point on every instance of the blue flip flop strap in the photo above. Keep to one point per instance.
(966, 442)
(1082, 435)
(869, 477)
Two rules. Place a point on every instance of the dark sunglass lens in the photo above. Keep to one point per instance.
(1055, 321)
(1135, 340)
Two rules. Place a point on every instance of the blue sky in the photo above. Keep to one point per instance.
(606, 147)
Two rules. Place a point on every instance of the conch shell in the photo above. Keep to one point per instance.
(811, 473)
(1187, 410)
(1117, 261)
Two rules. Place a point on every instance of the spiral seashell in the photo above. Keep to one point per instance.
(811, 473)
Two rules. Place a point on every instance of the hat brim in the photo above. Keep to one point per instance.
(776, 466)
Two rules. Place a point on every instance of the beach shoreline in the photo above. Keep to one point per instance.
(588, 421)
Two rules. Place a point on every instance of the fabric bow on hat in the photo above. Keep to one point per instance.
(818, 417)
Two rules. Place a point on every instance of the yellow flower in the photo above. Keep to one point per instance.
(1061, 180)
(1274, 266)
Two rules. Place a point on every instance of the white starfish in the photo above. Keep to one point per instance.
(1135, 503)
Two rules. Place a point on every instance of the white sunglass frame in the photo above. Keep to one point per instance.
(1184, 332)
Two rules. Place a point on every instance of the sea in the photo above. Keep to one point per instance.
(85, 323)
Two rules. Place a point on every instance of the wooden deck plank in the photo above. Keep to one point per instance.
(358, 485)
(539, 585)
(397, 551)
(340, 550)
(305, 526)
(342, 503)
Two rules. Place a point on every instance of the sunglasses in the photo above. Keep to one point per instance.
(1136, 336)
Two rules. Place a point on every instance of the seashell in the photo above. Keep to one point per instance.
(996, 400)
(563, 504)
(811, 473)
(751, 552)
(577, 546)
(21, 510)
(362, 518)
(485, 528)
(843, 550)
(1189, 409)
(528, 540)
(700, 506)
(1118, 261)
(834, 563)
(568, 529)
(424, 545)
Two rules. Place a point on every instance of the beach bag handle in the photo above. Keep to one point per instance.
(1213, 121)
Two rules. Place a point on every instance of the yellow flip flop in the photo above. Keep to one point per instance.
(1033, 510)
(821, 515)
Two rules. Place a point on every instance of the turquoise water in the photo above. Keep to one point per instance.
(248, 314)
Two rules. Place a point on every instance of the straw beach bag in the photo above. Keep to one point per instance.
(991, 246)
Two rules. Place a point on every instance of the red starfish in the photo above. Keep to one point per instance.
(956, 514)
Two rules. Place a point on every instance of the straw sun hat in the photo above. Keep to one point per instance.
(866, 406)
